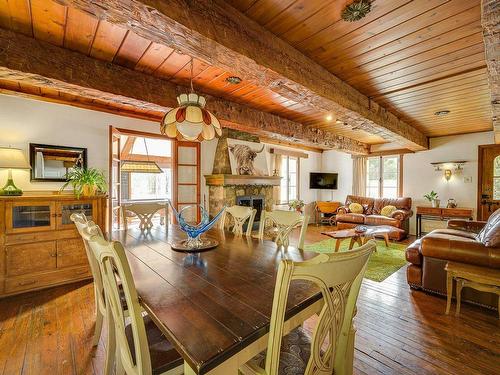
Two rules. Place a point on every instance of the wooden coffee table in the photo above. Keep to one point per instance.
(383, 231)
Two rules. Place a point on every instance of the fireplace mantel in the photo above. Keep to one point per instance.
(233, 179)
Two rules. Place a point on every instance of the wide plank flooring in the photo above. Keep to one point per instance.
(399, 331)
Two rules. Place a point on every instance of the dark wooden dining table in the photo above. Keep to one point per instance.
(214, 306)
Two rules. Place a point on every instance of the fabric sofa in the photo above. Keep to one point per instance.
(471, 242)
(371, 214)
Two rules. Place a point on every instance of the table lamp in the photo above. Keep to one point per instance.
(12, 158)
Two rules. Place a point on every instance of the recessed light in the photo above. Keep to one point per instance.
(340, 122)
(233, 80)
(329, 117)
(442, 113)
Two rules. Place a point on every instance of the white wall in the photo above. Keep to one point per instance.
(419, 176)
(341, 163)
(24, 121)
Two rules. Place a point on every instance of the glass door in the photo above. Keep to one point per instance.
(22, 217)
(114, 178)
(187, 178)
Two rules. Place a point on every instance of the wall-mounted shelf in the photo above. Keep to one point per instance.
(456, 164)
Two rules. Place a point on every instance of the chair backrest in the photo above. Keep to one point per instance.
(339, 277)
(88, 229)
(145, 212)
(285, 221)
(239, 215)
(327, 207)
(116, 275)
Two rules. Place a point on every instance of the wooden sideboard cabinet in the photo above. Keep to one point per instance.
(39, 244)
(440, 214)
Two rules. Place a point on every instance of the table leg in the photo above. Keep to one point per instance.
(337, 244)
(460, 285)
(449, 291)
(386, 239)
(419, 225)
(351, 243)
(359, 241)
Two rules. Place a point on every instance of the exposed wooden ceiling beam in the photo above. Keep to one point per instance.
(490, 19)
(218, 34)
(41, 64)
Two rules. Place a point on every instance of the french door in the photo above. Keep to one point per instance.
(114, 178)
(186, 174)
(186, 178)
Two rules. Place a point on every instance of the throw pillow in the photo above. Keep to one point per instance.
(387, 210)
(356, 208)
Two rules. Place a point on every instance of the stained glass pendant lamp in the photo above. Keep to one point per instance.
(141, 166)
(190, 121)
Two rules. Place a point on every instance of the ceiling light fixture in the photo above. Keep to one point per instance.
(190, 121)
(233, 80)
(140, 166)
(356, 10)
(329, 117)
(444, 112)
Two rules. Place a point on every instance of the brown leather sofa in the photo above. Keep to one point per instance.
(371, 214)
(470, 242)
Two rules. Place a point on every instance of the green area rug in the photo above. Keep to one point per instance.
(381, 265)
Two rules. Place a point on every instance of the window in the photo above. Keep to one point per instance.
(383, 177)
(496, 178)
(290, 177)
(151, 185)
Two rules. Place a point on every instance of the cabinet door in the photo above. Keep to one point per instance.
(71, 253)
(22, 217)
(29, 258)
(65, 209)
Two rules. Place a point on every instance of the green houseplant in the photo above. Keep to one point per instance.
(86, 181)
(433, 198)
(296, 204)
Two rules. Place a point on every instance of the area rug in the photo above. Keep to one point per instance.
(381, 265)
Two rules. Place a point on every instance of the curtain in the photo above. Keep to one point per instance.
(359, 175)
(276, 169)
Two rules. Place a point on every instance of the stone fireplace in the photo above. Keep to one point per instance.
(227, 189)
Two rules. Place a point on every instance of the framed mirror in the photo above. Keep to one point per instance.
(52, 163)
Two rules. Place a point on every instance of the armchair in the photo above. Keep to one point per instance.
(469, 242)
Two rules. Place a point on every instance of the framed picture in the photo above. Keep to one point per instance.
(52, 163)
(247, 158)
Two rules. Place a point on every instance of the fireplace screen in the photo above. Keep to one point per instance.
(254, 201)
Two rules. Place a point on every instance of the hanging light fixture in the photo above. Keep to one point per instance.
(190, 121)
(141, 166)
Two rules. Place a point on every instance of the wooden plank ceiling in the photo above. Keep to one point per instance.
(70, 28)
(413, 57)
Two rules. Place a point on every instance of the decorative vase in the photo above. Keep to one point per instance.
(88, 190)
(436, 202)
(194, 241)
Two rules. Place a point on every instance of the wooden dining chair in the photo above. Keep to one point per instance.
(284, 222)
(331, 348)
(88, 229)
(140, 347)
(145, 212)
(239, 215)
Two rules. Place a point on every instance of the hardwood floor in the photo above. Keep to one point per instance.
(399, 332)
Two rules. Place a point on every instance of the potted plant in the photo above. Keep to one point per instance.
(296, 204)
(433, 198)
(86, 181)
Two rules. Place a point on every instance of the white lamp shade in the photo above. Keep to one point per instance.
(13, 158)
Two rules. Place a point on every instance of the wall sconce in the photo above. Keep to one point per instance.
(447, 174)
(447, 166)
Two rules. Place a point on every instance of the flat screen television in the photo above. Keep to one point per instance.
(323, 180)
